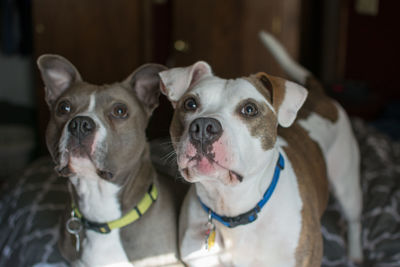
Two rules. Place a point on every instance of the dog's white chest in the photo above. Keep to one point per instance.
(98, 202)
(103, 250)
(271, 240)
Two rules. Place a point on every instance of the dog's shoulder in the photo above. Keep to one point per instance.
(308, 163)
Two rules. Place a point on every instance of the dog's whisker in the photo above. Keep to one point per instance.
(169, 158)
(168, 155)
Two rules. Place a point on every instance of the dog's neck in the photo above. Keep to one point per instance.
(234, 200)
(141, 177)
(102, 201)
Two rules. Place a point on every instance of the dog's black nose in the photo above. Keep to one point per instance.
(205, 130)
(81, 126)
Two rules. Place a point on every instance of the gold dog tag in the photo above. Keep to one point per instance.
(210, 233)
(210, 238)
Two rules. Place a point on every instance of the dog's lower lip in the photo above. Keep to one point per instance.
(232, 173)
(238, 176)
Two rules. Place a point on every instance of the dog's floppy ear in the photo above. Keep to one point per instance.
(58, 74)
(145, 83)
(175, 81)
(287, 97)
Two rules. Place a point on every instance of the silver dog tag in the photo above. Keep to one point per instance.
(74, 227)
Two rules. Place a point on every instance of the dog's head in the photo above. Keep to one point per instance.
(225, 130)
(97, 129)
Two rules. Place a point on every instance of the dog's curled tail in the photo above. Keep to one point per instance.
(295, 71)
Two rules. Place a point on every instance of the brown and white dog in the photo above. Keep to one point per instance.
(259, 151)
(96, 137)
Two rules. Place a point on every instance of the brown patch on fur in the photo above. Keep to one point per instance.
(278, 85)
(317, 102)
(308, 163)
(267, 84)
(176, 127)
(263, 86)
(262, 81)
(262, 126)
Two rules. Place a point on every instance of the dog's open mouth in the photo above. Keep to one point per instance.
(205, 166)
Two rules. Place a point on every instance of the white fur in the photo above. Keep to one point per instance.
(101, 131)
(295, 95)
(98, 202)
(294, 70)
(177, 80)
(320, 130)
(98, 198)
(92, 103)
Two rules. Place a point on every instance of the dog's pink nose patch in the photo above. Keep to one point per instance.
(220, 153)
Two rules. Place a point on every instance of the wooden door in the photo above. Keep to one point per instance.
(104, 39)
(225, 33)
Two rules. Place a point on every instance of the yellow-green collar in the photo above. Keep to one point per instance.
(130, 217)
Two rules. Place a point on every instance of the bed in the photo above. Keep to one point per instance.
(31, 204)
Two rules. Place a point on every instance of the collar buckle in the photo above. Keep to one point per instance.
(242, 219)
(101, 228)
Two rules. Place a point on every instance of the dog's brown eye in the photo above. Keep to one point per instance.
(64, 107)
(120, 111)
(190, 104)
(249, 110)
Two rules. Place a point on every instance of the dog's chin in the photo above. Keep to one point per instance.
(201, 169)
(78, 162)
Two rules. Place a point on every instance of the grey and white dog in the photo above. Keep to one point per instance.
(121, 211)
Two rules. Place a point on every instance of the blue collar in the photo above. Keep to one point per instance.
(251, 215)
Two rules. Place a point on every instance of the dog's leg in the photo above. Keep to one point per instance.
(343, 160)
